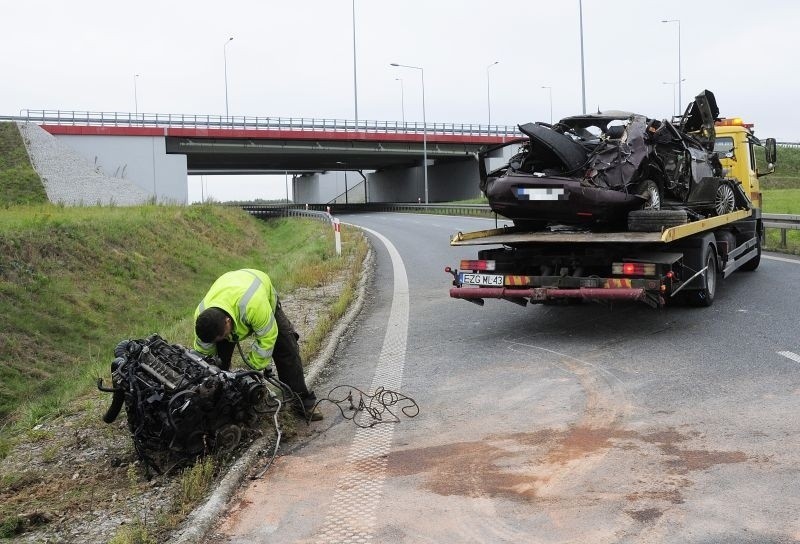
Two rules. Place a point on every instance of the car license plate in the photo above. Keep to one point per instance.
(492, 280)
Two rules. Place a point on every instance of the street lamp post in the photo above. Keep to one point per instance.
(355, 77)
(680, 95)
(402, 99)
(583, 70)
(675, 107)
(550, 89)
(225, 57)
(488, 94)
(424, 126)
(135, 95)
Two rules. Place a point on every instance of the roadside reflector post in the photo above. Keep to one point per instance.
(328, 209)
(337, 235)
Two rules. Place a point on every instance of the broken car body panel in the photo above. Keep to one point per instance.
(591, 169)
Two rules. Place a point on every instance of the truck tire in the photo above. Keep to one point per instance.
(655, 220)
(705, 295)
(753, 263)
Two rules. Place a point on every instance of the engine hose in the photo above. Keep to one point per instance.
(116, 404)
(121, 348)
(171, 401)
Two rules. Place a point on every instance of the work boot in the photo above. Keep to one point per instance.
(308, 410)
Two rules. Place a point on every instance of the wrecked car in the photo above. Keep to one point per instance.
(592, 170)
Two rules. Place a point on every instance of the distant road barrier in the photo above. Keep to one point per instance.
(784, 222)
(239, 122)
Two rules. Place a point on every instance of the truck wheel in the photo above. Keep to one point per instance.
(655, 220)
(753, 263)
(648, 189)
(725, 199)
(705, 296)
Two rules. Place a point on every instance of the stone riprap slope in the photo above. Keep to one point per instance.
(72, 180)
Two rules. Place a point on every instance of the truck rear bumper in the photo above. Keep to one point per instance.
(542, 294)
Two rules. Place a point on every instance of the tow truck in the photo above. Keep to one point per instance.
(677, 262)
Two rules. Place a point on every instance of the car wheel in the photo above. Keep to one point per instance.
(725, 199)
(705, 295)
(648, 189)
(655, 220)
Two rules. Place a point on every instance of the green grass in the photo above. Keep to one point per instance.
(75, 281)
(782, 201)
(19, 183)
(787, 170)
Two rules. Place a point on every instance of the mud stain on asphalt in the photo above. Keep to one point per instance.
(682, 461)
(646, 515)
(514, 466)
(465, 468)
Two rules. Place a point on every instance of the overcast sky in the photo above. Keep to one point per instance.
(295, 59)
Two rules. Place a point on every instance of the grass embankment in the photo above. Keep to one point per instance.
(19, 182)
(781, 194)
(75, 281)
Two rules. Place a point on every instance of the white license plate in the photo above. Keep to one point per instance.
(493, 280)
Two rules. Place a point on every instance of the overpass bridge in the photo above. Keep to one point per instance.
(209, 144)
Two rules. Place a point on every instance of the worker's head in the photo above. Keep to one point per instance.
(213, 325)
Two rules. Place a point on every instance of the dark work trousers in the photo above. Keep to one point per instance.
(286, 355)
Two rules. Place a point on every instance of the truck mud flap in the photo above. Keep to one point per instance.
(543, 294)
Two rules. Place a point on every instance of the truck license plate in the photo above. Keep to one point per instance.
(493, 280)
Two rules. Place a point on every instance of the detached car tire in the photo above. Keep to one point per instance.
(655, 220)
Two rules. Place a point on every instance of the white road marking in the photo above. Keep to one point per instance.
(781, 259)
(351, 517)
(789, 355)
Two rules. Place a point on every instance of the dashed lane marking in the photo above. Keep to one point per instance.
(790, 355)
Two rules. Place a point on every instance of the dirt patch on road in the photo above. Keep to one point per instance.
(515, 466)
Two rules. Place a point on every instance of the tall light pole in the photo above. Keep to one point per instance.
(680, 95)
(424, 126)
(355, 77)
(225, 57)
(402, 99)
(550, 89)
(583, 70)
(135, 94)
(675, 107)
(488, 94)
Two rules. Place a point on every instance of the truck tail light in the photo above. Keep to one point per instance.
(633, 269)
(477, 265)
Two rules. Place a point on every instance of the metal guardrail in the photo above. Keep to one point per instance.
(788, 144)
(277, 210)
(784, 222)
(237, 122)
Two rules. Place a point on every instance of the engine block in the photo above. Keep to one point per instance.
(180, 403)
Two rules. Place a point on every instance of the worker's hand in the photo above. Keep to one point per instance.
(268, 373)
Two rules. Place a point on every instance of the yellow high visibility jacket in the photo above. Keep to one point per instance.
(248, 297)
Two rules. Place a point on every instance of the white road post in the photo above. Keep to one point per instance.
(337, 236)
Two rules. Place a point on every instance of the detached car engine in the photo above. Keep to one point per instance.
(179, 403)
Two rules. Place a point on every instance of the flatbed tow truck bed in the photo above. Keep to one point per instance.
(509, 236)
(650, 267)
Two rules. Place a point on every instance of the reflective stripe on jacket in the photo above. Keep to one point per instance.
(248, 297)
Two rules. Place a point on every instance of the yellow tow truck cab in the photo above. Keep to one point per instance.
(736, 146)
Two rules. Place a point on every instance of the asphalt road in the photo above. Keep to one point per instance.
(546, 424)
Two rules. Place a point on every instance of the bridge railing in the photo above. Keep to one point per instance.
(234, 122)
